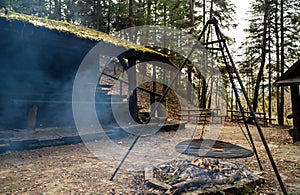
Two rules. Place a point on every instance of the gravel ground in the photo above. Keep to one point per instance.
(74, 169)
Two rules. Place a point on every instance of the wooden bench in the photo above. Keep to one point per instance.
(189, 116)
(32, 106)
(193, 113)
(233, 114)
(261, 116)
(211, 119)
(203, 116)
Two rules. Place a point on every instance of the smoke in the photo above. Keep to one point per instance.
(37, 67)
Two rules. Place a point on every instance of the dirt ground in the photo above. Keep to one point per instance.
(73, 169)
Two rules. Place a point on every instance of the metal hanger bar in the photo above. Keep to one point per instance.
(213, 48)
(212, 42)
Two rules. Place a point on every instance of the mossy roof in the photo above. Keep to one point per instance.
(77, 30)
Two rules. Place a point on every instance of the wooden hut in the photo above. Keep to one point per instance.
(39, 59)
(291, 78)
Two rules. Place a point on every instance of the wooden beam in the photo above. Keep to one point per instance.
(140, 88)
(132, 84)
(122, 61)
(152, 95)
(296, 111)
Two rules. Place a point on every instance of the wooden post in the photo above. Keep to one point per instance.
(32, 116)
(133, 106)
(265, 119)
(296, 111)
(121, 87)
(189, 85)
(152, 95)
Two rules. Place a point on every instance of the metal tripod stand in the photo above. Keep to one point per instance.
(232, 71)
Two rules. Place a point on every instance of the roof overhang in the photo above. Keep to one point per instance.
(289, 81)
(290, 77)
(75, 37)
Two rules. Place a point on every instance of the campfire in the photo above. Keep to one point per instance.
(203, 174)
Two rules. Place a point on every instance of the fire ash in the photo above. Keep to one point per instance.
(206, 171)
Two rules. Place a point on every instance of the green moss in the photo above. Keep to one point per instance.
(79, 31)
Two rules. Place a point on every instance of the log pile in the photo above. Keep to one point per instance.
(205, 175)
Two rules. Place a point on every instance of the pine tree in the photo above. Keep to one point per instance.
(254, 56)
(263, 55)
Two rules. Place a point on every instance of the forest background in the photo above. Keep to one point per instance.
(270, 46)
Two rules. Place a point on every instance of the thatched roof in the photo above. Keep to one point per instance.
(79, 31)
(291, 76)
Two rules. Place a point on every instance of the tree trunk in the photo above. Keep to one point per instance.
(131, 19)
(203, 94)
(277, 57)
(203, 99)
(130, 13)
(50, 8)
(281, 107)
(155, 10)
(203, 10)
(97, 15)
(192, 16)
(57, 9)
(263, 58)
(165, 14)
(68, 11)
(108, 17)
(211, 9)
(148, 19)
(270, 75)
(41, 4)
(189, 84)
(189, 70)
(203, 19)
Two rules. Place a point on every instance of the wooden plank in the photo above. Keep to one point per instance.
(148, 173)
